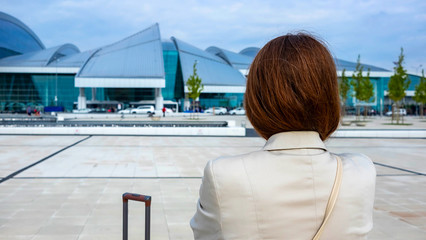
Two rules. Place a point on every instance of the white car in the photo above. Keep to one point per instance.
(144, 109)
(125, 111)
(402, 112)
(217, 110)
(238, 111)
(84, 110)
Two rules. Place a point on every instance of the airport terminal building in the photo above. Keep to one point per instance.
(138, 70)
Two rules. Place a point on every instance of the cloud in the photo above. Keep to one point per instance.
(376, 29)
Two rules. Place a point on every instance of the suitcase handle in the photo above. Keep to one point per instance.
(140, 198)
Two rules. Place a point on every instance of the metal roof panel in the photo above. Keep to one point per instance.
(138, 56)
(39, 58)
(212, 71)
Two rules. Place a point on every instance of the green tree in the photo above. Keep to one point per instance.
(356, 83)
(398, 84)
(344, 87)
(195, 86)
(362, 86)
(420, 93)
(367, 91)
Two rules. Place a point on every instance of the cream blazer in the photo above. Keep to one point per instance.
(281, 192)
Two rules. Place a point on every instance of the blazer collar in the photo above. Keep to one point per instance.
(294, 140)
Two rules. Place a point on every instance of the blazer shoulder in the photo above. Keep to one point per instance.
(228, 169)
(230, 162)
(359, 162)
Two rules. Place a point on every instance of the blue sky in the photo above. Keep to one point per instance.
(374, 29)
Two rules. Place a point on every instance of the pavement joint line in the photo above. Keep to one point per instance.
(169, 146)
(382, 129)
(379, 137)
(41, 160)
(247, 135)
(121, 135)
(393, 147)
(397, 175)
(107, 177)
(401, 169)
(21, 178)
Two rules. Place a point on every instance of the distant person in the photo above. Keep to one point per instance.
(164, 111)
(294, 187)
(29, 110)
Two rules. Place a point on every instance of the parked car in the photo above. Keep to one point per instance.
(217, 110)
(144, 109)
(84, 110)
(198, 110)
(402, 112)
(98, 110)
(125, 111)
(372, 112)
(238, 111)
(351, 111)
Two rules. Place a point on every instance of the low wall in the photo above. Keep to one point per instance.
(160, 131)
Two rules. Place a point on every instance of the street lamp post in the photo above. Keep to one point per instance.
(417, 68)
(56, 81)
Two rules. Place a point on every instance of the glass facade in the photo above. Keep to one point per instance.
(179, 84)
(380, 101)
(17, 91)
(170, 67)
(127, 94)
(407, 102)
(231, 100)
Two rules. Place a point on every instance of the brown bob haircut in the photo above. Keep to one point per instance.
(292, 86)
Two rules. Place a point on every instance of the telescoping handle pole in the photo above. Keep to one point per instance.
(140, 198)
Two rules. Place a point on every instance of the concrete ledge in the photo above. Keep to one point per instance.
(160, 131)
(379, 133)
(198, 131)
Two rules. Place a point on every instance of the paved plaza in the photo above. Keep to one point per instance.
(74, 192)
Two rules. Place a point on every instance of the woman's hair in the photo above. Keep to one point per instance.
(292, 86)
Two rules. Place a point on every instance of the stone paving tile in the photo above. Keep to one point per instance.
(403, 199)
(17, 152)
(90, 208)
(13, 158)
(141, 157)
(38, 141)
(173, 206)
(385, 171)
(386, 151)
(55, 237)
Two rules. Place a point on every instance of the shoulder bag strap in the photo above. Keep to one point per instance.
(332, 199)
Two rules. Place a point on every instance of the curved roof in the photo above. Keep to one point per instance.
(250, 51)
(136, 61)
(16, 37)
(168, 45)
(351, 66)
(238, 61)
(74, 60)
(213, 70)
(40, 58)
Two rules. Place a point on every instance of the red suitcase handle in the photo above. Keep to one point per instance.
(140, 198)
